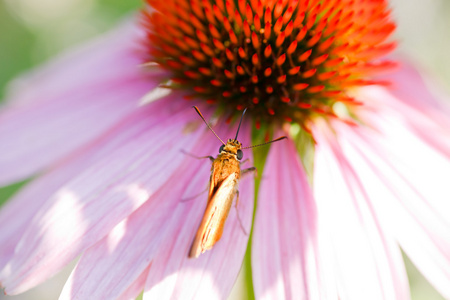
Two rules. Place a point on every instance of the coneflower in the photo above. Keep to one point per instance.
(105, 131)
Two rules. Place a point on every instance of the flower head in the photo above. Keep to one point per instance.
(107, 131)
(284, 60)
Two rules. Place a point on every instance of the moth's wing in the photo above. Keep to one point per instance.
(214, 178)
(216, 213)
(212, 184)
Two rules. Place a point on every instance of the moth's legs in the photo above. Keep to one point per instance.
(244, 161)
(248, 170)
(198, 157)
(237, 213)
(243, 172)
(194, 196)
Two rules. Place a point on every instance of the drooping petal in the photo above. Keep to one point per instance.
(409, 87)
(65, 105)
(86, 209)
(175, 276)
(108, 268)
(101, 61)
(411, 101)
(17, 214)
(355, 245)
(284, 249)
(136, 288)
(407, 182)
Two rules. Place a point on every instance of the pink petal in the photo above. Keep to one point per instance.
(62, 107)
(409, 87)
(173, 275)
(407, 181)
(411, 101)
(108, 268)
(20, 210)
(135, 289)
(284, 249)
(88, 65)
(139, 160)
(366, 263)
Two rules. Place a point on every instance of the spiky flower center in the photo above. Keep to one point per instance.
(282, 59)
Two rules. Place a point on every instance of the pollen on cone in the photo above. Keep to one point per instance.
(300, 86)
(268, 51)
(304, 56)
(309, 73)
(294, 70)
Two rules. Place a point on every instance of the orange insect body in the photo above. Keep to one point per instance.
(224, 165)
(223, 187)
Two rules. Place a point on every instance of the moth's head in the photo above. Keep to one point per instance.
(232, 147)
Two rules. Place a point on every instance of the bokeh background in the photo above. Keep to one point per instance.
(32, 32)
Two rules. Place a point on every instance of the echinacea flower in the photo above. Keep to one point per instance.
(104, 130)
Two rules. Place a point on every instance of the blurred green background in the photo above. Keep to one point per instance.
(31, 32)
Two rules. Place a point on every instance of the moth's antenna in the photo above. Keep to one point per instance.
(276, 140)
(201, 116)
(240, 122)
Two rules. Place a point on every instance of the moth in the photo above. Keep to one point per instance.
(223, 188)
